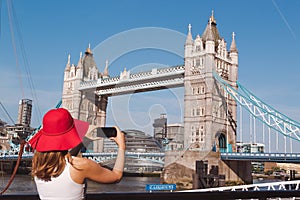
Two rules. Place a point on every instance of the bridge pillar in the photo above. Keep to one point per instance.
(238, 171)
(100, 119)
(101, 110)
(181, 165)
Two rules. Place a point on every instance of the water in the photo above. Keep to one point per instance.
(24, 184)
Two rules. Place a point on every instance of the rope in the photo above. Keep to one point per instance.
(16, 167)
(22, 145)
(9, 5)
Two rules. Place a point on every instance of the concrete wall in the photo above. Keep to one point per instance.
(180, 167)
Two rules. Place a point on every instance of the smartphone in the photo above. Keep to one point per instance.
(106, 132)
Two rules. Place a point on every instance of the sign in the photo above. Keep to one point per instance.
(160, 187)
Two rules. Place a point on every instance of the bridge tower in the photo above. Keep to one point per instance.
(210, 115)
(86, 106)
(209, 112)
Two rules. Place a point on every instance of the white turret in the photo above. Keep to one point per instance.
(188, 47)
(234, 59)
(210, 42)
(105, 72)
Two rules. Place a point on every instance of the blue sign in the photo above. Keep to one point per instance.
(160, 187)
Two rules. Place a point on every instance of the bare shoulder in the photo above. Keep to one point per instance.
(82, 163)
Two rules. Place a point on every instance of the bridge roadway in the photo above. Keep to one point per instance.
(155, 79)
(159, 157)
(262, 157)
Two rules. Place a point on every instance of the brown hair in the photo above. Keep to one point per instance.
(49, 164)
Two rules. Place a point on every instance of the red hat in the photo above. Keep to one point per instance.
(59, 132)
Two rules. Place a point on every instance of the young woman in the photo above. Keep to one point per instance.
(57, 174)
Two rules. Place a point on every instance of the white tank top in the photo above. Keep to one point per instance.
(60, 188)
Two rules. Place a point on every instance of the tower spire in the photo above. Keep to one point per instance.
(189, 38)
(105, 73)
(88, 50)
(212, 17)
(68, 65)
(79, 65)
(233, 44)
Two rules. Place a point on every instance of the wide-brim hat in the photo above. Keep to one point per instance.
(60, 131)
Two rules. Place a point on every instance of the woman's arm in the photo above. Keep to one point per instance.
(95, 172)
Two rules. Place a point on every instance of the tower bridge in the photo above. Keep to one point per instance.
(127, 83)
(208, 76)
(209, 113)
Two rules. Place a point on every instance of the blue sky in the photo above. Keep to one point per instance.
(267, 37)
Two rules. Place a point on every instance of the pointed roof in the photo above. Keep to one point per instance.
(233, 44)
(105, 73)
(88, 50)
(211, 32)
(189, 37)
(88, 62)
(79, 64)
(68, 65)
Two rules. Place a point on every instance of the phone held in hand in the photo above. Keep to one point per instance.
(106, 132)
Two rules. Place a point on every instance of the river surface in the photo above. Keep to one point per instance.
(24, 184)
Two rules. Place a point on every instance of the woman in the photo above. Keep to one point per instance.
(57, 174)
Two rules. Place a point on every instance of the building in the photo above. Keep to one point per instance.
(170, 136)
(84, 106)
(2, 126)
(250, 147)
(258, 167)
(175, 135)
(4, 140)
(25, 110)
(136, 142)
(21, 130)
(160, 128)
(210, 115)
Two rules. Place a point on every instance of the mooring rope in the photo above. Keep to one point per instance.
(22, 145)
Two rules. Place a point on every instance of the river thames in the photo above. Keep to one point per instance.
(24, 184)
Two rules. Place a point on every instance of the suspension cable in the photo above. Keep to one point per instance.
(14, 45)
(263, 130)
(15, 23)
(254, 130)
(269, 128)
(6, 112)
(241, 122)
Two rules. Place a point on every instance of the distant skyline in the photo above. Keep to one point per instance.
(267, 37)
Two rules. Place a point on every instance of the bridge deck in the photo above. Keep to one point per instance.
(263, 157)
(156, 79)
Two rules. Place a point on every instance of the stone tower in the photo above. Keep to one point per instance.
(84, 106)
(210, 114)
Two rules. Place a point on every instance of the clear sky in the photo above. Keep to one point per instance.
(267, 37)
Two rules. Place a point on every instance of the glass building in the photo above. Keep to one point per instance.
(137, 142)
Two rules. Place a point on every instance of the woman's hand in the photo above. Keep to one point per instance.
(119, 139)
(92, 133)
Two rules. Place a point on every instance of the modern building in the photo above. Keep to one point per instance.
(160, 128)
(4, 140)
(252, 148)
(25, 110)
(136, 142)
(170, 136)
(175, 135)
(21, 130)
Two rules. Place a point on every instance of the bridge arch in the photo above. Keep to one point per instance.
(221, 141)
